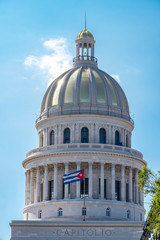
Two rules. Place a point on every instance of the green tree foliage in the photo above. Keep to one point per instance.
(149, 183)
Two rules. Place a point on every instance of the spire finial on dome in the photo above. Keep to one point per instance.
(85, 21)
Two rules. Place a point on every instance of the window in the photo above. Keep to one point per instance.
(86, 188)
(127, 192)
(84, 135)
(60, 212)
(102, 136)
(66, 136)
(84, 211)
(40, 214)
(128, 214)
(140, 216)
(116, 138)
(108, 212)
(105, 186)
(52, 137)
(51, 190)
(127, 145)
(41, 192)
(117, 190)
(42, 140)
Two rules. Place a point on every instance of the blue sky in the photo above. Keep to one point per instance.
(127, 35)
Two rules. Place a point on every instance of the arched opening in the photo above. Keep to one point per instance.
(84, 135)
(66, 136)
(102, 136)
(52, 137)
(117, 138)
(60, 212)
(108, 212)
(128, 214)
(127, 143)
(84, 211)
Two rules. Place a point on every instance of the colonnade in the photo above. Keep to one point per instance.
(83, 46)
(32, 187)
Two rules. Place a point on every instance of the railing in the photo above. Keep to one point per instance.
(87, 147)
(85, 58)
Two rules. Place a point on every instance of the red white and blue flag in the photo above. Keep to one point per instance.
(73, 177)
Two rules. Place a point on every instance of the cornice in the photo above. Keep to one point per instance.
(80, 153)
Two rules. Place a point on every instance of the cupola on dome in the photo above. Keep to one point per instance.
(85, 89)
(85, 34)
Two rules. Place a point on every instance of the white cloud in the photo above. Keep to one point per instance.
(116, 77)
(55, 63)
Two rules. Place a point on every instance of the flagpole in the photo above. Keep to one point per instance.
(84, 202)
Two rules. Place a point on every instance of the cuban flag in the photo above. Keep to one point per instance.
(73, 177)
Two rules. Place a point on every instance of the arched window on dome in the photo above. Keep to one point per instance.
(84, 135)
(102, 136)
(128, 214)
(60, 212)
(66, 136)
(117, 138)
(127, 143)
(52, 137)
(84, 211)
(108, 212)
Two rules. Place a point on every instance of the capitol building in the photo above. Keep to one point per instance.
(84, 123)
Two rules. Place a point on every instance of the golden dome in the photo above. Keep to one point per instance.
(85, 34)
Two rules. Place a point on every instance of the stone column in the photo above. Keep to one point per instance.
(46, 137)
(25, 188)
(66, 185)
(141, 198)
(60, 134)
(130, 135)
(39, 139)
(77, 50)
(55, 181)
(130, 184)
(82, 50)
(77, 133)
(102, 180)
(28, 187)
(92, 133)
(122, 183)
(45, 184)
(90, 180)
(136, 185)
(38, 184)
(32, 186)
(96, 134)
(124, 137)
(113, 182)
(78, 183)
(72, 134)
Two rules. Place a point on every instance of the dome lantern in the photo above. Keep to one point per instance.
(85, 47)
